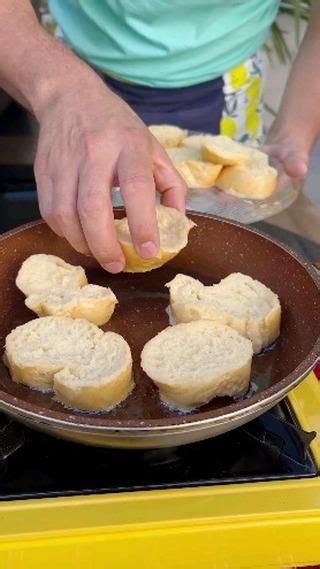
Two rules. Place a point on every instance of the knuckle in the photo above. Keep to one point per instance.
(136, 182)
(63, 214)
(92, 143)
(91, 204)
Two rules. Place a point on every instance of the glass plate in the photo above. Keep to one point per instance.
(216, 202)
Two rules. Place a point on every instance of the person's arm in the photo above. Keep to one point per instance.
(297, 124)
(89, 138)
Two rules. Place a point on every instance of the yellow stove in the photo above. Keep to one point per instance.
(269, 523)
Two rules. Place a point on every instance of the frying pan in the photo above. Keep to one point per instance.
(216, 248)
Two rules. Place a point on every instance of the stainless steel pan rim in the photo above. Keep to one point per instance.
(152, 429)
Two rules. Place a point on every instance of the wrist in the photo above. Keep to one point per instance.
(53, 72)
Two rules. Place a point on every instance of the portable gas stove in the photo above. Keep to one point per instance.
(247, 499)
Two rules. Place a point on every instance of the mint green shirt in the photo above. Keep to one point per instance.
(165, 43)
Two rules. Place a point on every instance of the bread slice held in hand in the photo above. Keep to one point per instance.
(174, 228)
(239, 301)
(195, 362)
(168, 135)
(84, 367)
(56, 288)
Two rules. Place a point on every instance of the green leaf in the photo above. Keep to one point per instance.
(299, 10)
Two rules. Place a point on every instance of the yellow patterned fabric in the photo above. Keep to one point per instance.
(243, 108)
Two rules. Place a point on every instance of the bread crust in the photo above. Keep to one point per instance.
(169, 136)
(243, 182)
(262, 331)
(172, 220)
(97, 310)
(198, 173)
(189, 388)
(94, 384)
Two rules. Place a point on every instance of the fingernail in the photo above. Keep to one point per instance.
(148, 249)
(115, 267)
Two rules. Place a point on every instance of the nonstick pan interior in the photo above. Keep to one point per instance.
(216, 248)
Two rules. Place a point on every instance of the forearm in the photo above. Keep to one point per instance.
(299, 113)
(32, 63)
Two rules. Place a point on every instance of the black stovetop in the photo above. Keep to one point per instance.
(33, 464)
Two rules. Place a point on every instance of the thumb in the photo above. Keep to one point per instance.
(295, 163)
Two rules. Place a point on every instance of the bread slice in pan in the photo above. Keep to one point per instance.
(85, 367)
(239, 301)
(56, 288)
(174, 228)
(194, 362)
(42, 272)
(92, 302)
(168, 135)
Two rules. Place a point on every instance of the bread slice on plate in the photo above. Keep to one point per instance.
(223, 150)
(255, 180)
(244, 304)
(195, 172)
(168, 135)
(174, 228)
(92, 302)
(85, 368)
(42, 272)
(183, 154)
(199, 174)
(195, 362)
(56, 288)
(196, 141)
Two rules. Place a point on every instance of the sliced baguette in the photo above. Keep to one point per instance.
(183, 154)
(195, 172)
(85, 367)
(239, 301)
(199, 174)
(196, 141)
(192, 363)
(174, 228)
(92, 302)
(55, 288)
(168, 135)
(256, 180)
(42, 272)
(223, 150)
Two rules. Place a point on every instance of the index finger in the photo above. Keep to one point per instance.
(96, 217)
(139, 195)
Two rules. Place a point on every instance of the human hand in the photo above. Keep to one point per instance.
(89, 141)
(290, 153)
